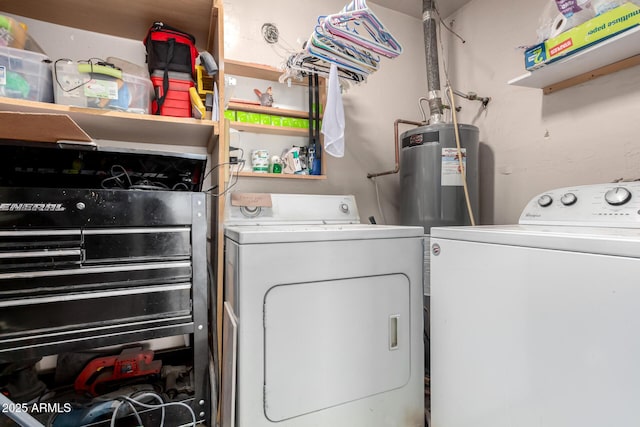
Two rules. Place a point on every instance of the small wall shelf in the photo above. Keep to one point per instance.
(280, 175)
(611, 55)
(270, 130)
(250, 108)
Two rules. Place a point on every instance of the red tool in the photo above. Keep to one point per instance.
(130, 363)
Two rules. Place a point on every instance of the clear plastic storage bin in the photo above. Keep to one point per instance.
(98, 86)
(25, 75)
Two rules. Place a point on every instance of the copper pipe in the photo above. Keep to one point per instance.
(396, 138)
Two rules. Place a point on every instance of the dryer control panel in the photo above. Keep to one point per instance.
(597, 205)
(278, 209)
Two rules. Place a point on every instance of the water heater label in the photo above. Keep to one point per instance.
(451, 170)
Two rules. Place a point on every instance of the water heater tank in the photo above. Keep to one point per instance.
(431, 189)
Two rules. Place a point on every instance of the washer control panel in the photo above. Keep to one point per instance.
(597, 205)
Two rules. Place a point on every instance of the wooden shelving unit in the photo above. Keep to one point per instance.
(131, 20)
(123, 18)
(123, 126)
(611, 55)
(265, 72)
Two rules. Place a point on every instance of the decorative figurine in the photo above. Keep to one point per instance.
(266, 98)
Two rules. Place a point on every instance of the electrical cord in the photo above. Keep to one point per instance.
(118, 172)
(220, 164)
(133, 408)
(89, 61)
(117, 178)
(375, 182)
(463, 171)
(240, 164)
(454, 117)
(162, 405)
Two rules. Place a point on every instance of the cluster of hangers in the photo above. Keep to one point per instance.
(353, 39)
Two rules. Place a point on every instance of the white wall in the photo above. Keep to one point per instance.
(534, 142)
(370, 109)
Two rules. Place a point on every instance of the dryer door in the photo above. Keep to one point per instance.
(332, 342)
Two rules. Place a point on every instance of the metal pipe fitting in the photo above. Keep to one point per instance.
(397, 148)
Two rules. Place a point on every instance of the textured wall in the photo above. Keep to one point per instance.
(370, 109)
(533, 142)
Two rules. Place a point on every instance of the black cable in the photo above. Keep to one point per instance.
(216, 167)
(117, 178)
(234, 182)
(89, 61)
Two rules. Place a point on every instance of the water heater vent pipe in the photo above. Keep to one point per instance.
(429, 26)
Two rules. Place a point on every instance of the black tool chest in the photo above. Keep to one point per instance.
(85, 268)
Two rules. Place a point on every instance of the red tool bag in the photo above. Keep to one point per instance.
(169, 49)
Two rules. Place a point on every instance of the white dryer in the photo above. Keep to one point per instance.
(329, 315)
(537, 324)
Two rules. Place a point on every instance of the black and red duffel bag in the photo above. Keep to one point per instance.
(170, 49)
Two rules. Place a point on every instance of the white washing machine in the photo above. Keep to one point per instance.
(328, 314)
(538, 324)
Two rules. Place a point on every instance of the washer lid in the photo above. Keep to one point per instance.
(595, 240)
(248, 234)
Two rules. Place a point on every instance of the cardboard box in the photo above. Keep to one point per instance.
(600, 28)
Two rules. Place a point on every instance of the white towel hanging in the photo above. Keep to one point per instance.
(333, 119)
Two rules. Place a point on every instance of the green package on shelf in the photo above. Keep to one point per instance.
(242, 116)
(265, 119)
(276, 121)
(297, 123)
(287, 122)
(230, 114)
(254, 118)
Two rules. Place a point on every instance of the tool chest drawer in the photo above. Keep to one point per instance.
(89, 268)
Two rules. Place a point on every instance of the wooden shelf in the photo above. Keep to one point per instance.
(258, 71)
(122, 18)
(122, 126)
(265, 72)
(611, 55)
(238, 106)
(248, 69)
(281, 175)
(270, 130)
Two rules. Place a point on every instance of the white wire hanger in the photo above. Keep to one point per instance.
(346, 39)
(358, 24)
